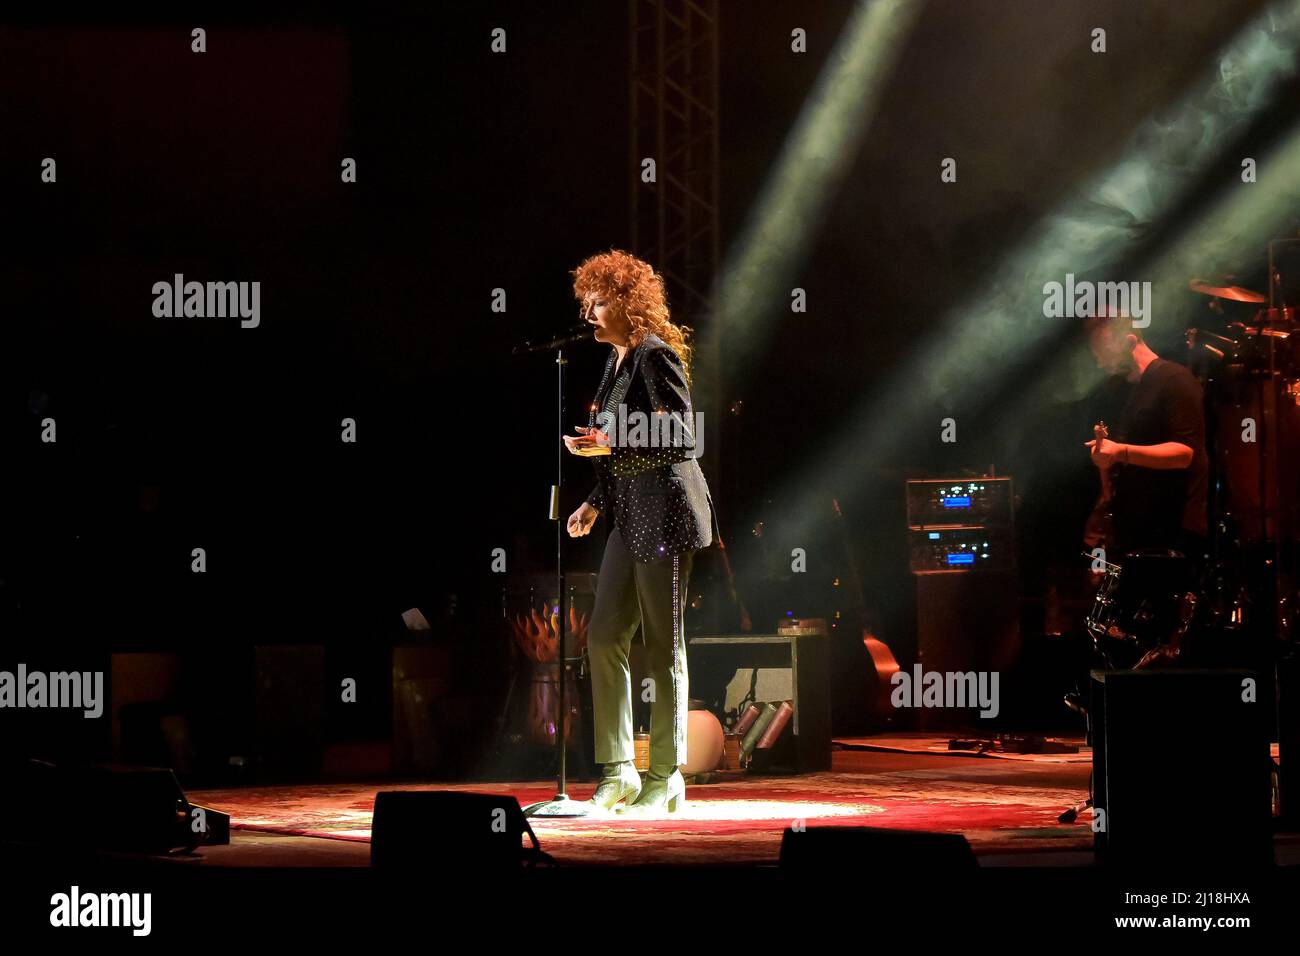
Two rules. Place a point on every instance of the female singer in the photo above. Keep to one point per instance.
(659, 513)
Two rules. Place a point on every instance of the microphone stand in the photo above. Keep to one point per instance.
(560, 805)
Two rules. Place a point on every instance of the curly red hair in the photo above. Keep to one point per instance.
(637, 292)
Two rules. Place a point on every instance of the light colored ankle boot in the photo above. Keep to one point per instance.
(662, 790)
(619, 781)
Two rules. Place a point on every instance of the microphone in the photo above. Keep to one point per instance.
(578, 333)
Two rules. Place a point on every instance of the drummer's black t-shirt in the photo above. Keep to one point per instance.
(1157, 508)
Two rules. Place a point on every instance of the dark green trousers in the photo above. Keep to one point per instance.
(631, 593)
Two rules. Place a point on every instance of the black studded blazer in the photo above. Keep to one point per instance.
(650, 485)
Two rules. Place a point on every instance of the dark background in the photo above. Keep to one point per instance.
(478, 171)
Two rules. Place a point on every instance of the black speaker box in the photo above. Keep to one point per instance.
(827, 849)
(965, 622)
(106, 807)
(1181, 770)
(427, 828)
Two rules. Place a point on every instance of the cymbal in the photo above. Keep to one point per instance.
(1234, 292)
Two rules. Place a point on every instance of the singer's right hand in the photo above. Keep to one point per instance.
(580, 521)
(590, 442)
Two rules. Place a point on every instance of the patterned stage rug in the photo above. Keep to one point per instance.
(932, 744)
(998, 806)
(917, 743)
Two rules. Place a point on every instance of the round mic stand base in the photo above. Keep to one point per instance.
(559, 806)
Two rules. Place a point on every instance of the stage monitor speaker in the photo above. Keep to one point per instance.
(125, 809)
(216, 825)
(829, 848)
(1181, 770)
(425, 828)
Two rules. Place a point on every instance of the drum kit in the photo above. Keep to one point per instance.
(1248, 362)
(1261, 347)
(1250, 348)
(1250, 371)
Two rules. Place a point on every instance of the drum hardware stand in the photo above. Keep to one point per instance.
(1101, 608)
(1072, 814)
(1097, 629)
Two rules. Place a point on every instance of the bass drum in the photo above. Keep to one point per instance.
(1254, 431)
